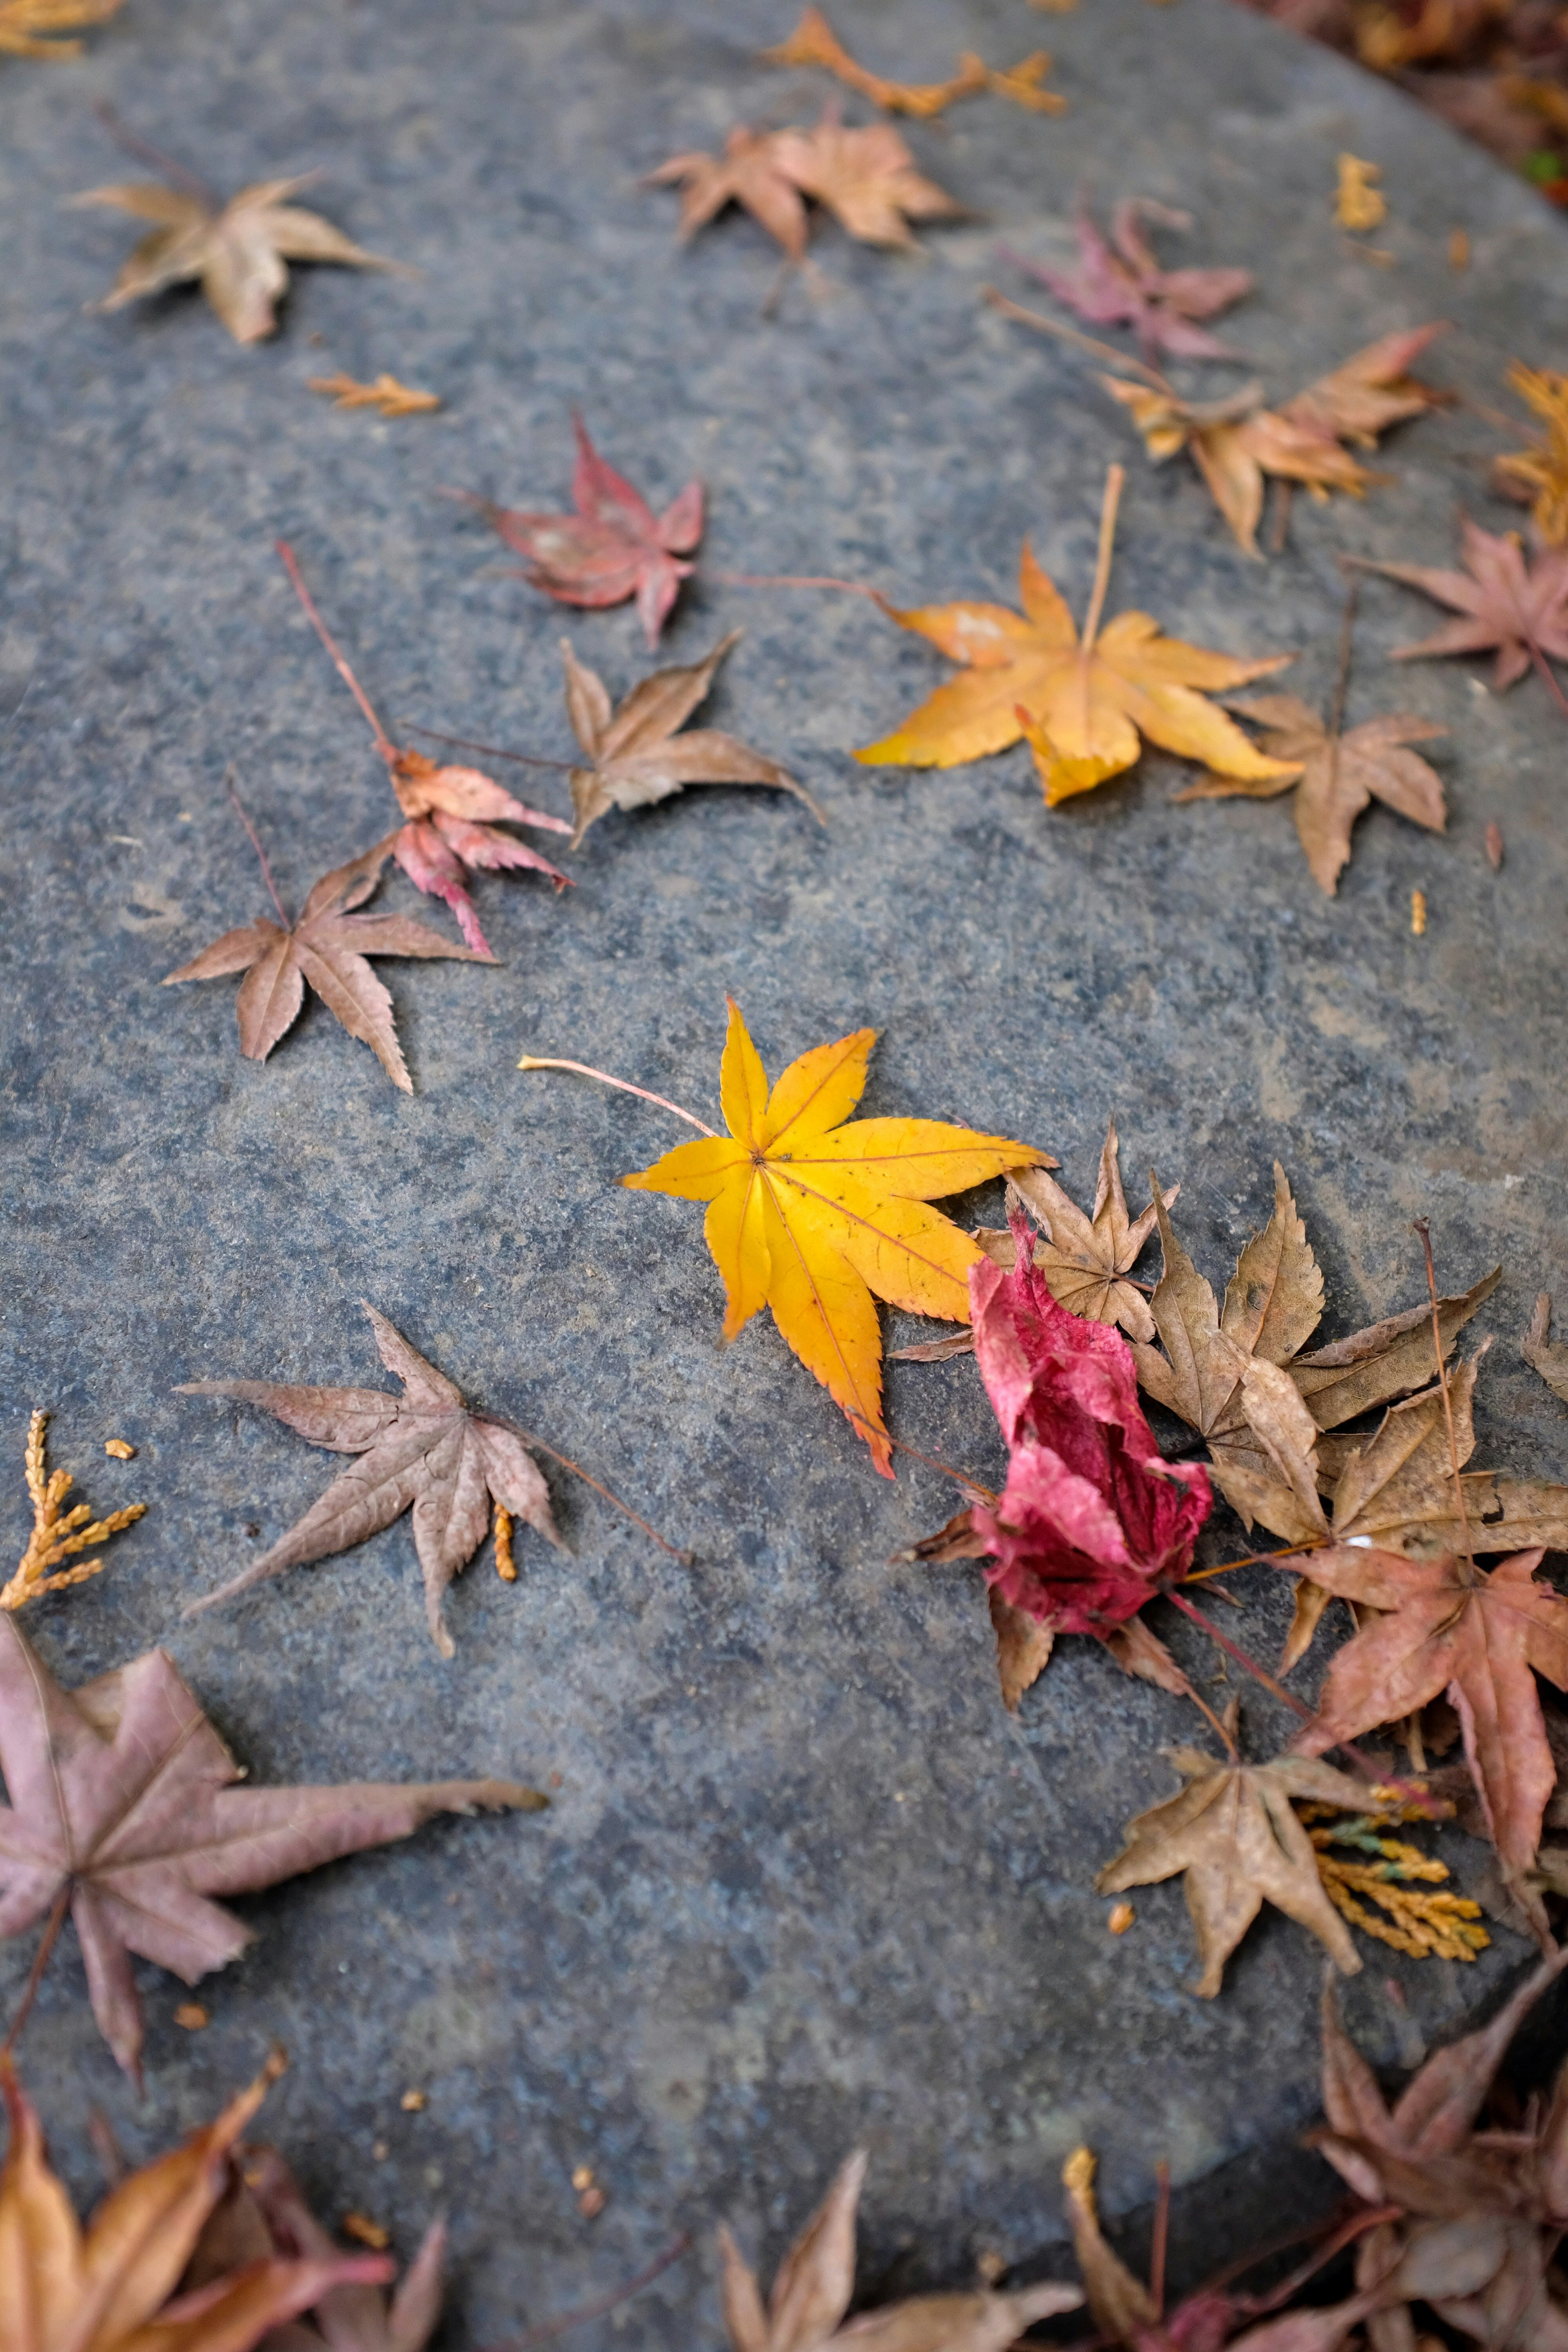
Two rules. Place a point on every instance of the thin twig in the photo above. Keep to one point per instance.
(1011, 309)
(387, 749)
(261, 853)
(792, 579)
(943, 1469)
(1424, 1230)
(46, 1943)
(1254, 1559)
(1342, 676)
(583, 1070)
(550, 2328)
(146, 153)
(528, 1437)
(1280, 530)
(464, 743)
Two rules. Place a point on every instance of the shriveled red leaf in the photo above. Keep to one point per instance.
(1504, 602)
(121, 1793)
(424, 1450)
(613, 547)
(1118, 282)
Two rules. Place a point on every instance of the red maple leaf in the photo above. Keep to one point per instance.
(613, 548)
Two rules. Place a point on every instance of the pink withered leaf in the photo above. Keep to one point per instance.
(613, 548)
(1120, 283)
(1092, 1521)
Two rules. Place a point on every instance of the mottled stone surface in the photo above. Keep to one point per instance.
(803, 1882)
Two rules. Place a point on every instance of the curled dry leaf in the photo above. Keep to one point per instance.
(635, 753)
(866, 178)
(614, 547)
(240, 251)
(1118, 282)
(813, 42)
(1086, 1259)
(329, 948)
(31, 28)
(424, 1451)
(814, 2282)
(116, 2286)
(1340, 775)
(1503, 602)
(58, 1534)
(385, 395)
(1092, 1521)
(135, 1744)
(1539, 475)
(1082, 703)
(1236, 443)
(1542, 1352)
(817, 1220)
(262, 2217)
(1235, 1834)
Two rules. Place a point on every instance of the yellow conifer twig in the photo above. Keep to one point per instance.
(1441, 1925)
(506, 1566)
(57, 1535)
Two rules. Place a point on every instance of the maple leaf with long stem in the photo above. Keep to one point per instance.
(613, 548)
(1502, 601)
(58, 1534)
(262, 2217)
(1341, 772)
(636, 754)
(424, 1451)
(119, 2285)
(1082, 702)
(813, 2285)
(328, 947)
(238, 251)
(1118, 281)
(818, 1219)
(31, 28)
(122, 1811)
(454, 814)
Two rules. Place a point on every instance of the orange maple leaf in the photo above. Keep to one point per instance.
(1082, 702)
(811, 1217)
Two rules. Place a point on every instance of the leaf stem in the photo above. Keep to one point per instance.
(549, 2329)
(1424, 1230)
(46, 1943)
(528, 1437)
(261, 853)
(1162, 2237)
(387, 749)
(1548, 673)
(583, 1070)
(1254, 1559)
(490, 751)
(146, 153)
(794, 580)
(1011, 309)
(1115, 479)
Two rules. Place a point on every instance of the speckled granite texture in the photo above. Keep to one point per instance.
(803, 1882)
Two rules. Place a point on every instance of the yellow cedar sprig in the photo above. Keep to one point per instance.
(57, 1535)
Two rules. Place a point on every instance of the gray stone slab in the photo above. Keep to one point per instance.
(804, 1882)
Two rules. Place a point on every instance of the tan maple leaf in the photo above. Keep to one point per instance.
(866, 178)
(814, 2284)
(749, 173)
(1341, 774)
(30, 28)
(239, 251)
(635, 753)
(1085, 1259)
(1234, 1832)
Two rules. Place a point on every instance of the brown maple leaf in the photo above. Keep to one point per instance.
(328, 948)
(638, 757)
(239, 251)
(424, 1450)
(123, 1808)
(1234, 1832)
(866, 178)
(749, 173)
(1234, 444)
(1341, 774)
(1446, 1625)
(1542, 1352)
(263, 2218)
(385, 395)
(107, 2288)
(814, 2284)
(29, 28)
(1503, 604)
(58, 1534)
(613, 548)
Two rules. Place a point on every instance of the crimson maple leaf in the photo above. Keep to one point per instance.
(613, 548)
(1446, 1625)
(122, 1804)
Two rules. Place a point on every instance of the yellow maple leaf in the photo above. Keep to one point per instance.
(811, 1217)
(1081, 702)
